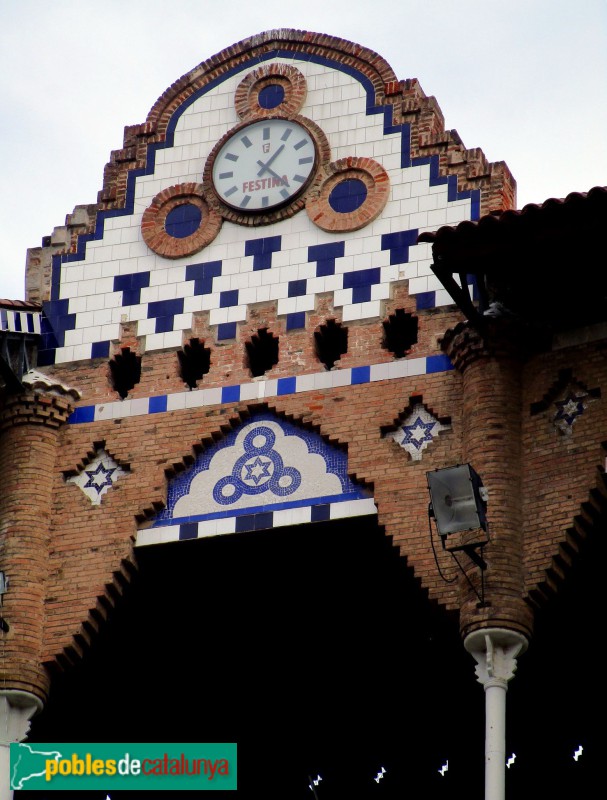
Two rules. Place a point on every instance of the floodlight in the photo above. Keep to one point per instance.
(458, 499)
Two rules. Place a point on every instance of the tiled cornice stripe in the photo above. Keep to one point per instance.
(319, 512)
(261, 390)
(19, 321)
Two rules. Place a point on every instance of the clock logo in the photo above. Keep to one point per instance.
(264, 164)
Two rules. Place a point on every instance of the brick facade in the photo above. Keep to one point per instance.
(86, 552)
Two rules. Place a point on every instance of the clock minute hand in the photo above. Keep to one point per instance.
(266, 167)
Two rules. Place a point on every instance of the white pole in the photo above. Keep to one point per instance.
(495, 651)
(16, 710)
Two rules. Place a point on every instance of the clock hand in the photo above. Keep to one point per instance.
(266, 167)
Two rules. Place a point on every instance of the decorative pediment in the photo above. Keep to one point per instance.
(266, 472)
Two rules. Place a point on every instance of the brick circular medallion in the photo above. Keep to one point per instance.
(352, 193)
(276, 89)
(179, 222)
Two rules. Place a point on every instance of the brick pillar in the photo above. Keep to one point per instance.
(490, 365)
(29, 429)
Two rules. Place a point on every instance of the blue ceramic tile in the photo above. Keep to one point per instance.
(361, 375)
(296, 320)
(230, 394)
(286, 386)
(157, 404)
(100, 349)
(188, 530)
(226, 330)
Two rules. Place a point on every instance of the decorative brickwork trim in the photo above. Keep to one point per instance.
(589, 522)
(376, 181)
(499, 339)
(36, 409)
(154, 218)
(108, 601)
(290, 79)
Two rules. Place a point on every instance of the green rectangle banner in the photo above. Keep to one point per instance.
(141, 766)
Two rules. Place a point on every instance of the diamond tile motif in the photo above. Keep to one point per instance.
(418, 431)
(98, 476)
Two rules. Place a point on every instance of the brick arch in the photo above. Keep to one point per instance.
(76, 637)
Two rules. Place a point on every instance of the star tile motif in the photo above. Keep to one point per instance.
(418, 431)
(257, 470)
(98, 477)
(568, 410)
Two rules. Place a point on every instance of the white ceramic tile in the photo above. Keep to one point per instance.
(443, 298)
(301, 515)
(304, 383)
(352, 311)
(398, 369)
(418, 285)
(146, 326)
(73, 337)
(92, 334)
(176, 401)
(82, 352)
(211, 396)
(139, 406)
(154, 341)
(148, 536)
(218, 316)
(104, 411)
(282, 517)
(206, 528)
(195, 399)
(226, 525)
(379, 372)
(341, 377)
(269, 388)
(172, 339)
(109, 332)
(249, 391)
(323, 380)
(169, 534)
(417, 366)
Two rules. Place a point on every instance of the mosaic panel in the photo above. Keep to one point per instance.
(266, 464)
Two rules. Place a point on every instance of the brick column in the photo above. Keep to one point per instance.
(490, 365)
(29, 429)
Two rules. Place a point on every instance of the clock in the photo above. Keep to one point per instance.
(264, 164)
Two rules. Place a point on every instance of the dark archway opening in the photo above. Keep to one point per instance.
(312, 647)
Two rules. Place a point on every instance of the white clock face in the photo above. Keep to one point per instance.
(264, 164)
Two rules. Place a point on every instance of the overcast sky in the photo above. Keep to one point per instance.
(525, 80)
